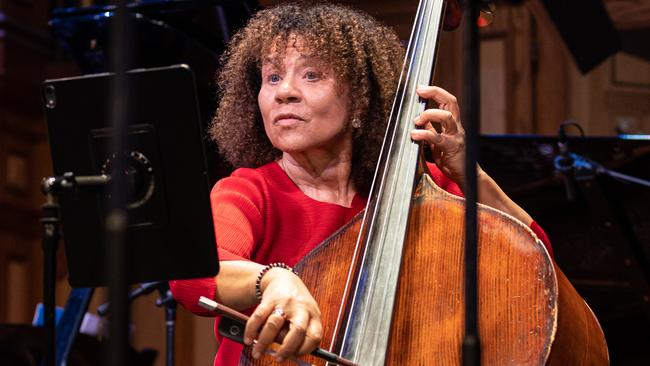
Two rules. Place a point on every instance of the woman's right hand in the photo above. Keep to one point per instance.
(285, 300)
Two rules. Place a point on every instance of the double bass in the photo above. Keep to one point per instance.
(390, 283)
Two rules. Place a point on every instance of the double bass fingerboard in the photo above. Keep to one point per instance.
(385, 222)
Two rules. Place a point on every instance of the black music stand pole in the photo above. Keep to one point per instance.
(117, 259)
(471, 349)
(50, 221)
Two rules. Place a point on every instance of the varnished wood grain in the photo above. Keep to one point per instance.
(517, 288)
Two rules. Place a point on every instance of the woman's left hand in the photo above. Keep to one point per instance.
(448, 146)
(448, 149)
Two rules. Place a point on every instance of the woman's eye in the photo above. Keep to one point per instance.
(311, 75)
(273, 78)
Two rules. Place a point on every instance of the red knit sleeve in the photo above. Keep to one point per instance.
(188, 292)
(442, 181)
(237, 206)
(542, 236)
(238, 227)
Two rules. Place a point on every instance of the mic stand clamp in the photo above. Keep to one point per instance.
(585, 169)
(51, 186)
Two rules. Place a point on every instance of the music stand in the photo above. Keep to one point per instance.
(170, 234)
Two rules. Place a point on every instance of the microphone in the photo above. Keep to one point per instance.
(143, 289)
(564, 162)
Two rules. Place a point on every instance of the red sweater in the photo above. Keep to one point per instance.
(262, 216)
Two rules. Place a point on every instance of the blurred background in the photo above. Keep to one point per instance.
(542, 62)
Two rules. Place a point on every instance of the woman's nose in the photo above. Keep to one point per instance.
(287, 91)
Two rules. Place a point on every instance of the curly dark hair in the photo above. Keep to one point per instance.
(364, 53)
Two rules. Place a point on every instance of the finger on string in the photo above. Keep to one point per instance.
(296, 335)
(428, 136)
(427, 125)
(444, 142)
(440, 96)
(256, 321)
(445, 118)
(269, 332)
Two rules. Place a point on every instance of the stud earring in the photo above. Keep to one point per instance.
(356, 123)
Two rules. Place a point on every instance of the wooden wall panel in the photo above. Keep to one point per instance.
(520, 66)
(18, 280)
(493, 86)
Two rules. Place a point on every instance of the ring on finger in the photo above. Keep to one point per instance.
(279, 312)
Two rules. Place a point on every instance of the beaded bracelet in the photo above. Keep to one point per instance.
(258, 281)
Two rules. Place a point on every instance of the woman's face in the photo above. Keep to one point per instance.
(303, 104)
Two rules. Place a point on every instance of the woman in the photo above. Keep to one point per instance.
(305, 93)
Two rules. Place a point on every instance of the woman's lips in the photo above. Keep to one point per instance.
(287, 119)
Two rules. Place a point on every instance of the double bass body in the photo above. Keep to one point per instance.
(529, 314)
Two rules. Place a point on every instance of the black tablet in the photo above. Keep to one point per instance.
(170, 233)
